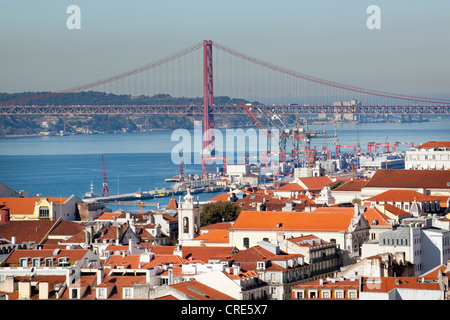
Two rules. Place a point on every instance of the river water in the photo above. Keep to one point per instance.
(66, 165)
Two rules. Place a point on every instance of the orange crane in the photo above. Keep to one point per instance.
(396, 144)
(135, 203)
(181, 167)
(255, 120)
(105, 190)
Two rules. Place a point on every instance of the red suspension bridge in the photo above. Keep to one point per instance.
(271, 89)
(189, 73)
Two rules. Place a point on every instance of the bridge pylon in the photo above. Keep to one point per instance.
(208, 101)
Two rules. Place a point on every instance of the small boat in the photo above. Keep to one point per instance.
(173, 179)
(160, 195)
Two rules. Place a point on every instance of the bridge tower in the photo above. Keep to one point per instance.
(208, 101)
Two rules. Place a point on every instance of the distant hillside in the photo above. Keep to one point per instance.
(102, 98)
(70, 124)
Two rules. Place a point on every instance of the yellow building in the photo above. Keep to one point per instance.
(35, 208)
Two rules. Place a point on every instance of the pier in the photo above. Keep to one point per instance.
(179, 188)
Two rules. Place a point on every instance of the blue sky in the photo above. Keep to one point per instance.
(324, 38)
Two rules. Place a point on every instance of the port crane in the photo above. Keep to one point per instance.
(136, 204)
(396, 144)
(386, 146)
(105, 191)
(181, 167)
(298, 133)
(338, 149)
(224, 159)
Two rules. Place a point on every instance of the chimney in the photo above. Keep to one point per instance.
(43, 290)
(100, 276)
(236, 268)
(148, 275)
(118, 233)
(87, 238)
(178, 251)
(170, 276)
(24, 290)
(130, 246)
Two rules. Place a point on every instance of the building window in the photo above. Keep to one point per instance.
(44, 213)
(63, 262)
(339, 295)
(326, 294)
(246, 243)
(127, 293)
(36, 262)
(261, 265)
(23, 262)
(352, 294)
(273, 277)
(186, 225)
(49, 262)
(299, 294)
(101, 293)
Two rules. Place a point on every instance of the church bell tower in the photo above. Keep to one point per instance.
(188, 219)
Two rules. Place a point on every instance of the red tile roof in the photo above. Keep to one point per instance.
(249, 258)
(411, 179)
(434, 144)
(172, 204)
(192, 252)
(316, 183)
(372, 214)
(67, 228)
(215, 236)
(291, 187)
(304, 241)
(26, 205)
(200, 291)
(352, 185)
(220, 197)
(434, 273)
(25, 231)
(328, 284)
(119, 282)
(401, 196)
(218, 226)
(109, 216)
(393, 210)
(387, 284)
(321, 219)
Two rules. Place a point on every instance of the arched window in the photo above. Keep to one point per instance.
(186, 225)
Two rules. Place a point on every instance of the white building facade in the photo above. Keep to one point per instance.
(424, 246)
(429, 156)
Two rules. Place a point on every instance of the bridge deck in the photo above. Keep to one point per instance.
(221, 109)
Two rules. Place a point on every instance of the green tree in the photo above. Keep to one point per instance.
(218, 211)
